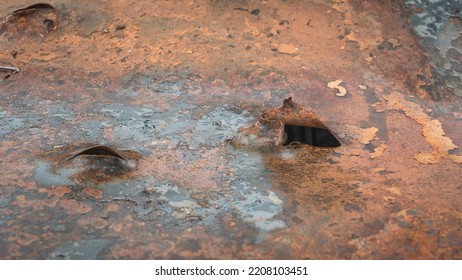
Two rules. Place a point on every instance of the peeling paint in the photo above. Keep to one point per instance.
(432, 130)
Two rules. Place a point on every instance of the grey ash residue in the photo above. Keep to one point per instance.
(438, 24)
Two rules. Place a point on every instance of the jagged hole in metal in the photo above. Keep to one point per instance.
(314, 136)
(97, 151)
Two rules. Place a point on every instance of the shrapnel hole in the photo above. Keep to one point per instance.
(314, 136)
(98, 150)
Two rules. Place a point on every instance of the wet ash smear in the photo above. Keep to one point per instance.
(46, 177)
(9, 123)
(174, 206)
(256, 202)
(247, 192)
(88, 249)
(438, 23)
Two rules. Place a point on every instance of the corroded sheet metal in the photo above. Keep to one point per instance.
(122, 134)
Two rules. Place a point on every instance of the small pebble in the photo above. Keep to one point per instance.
(150, 190)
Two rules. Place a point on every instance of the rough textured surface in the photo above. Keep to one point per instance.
(169, 83)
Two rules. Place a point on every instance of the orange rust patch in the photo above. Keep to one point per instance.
(59, 191)
(172, 166)
(95, 222)
(368, 199)
(73, 206)
(93, 192)
(24, 238)
(112, 208)
(24, 202)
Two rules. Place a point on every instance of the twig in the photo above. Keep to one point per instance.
(126, 199)
(9, 68)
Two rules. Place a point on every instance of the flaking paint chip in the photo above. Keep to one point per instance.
(336, 85)
(378, 151)
(431, 129)
(288, 49)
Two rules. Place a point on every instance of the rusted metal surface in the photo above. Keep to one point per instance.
(180, 105)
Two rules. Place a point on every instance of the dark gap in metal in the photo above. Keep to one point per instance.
(98, 151)
(314, 136)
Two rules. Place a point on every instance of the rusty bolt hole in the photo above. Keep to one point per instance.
(314, 136)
